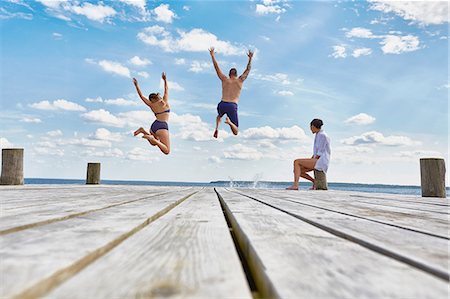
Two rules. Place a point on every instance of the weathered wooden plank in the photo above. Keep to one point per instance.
(405, 243)
(426, 222)
(61, 210)
(294, 259)
(188, 253)
(34, 260)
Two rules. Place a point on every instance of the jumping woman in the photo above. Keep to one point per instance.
(159, 130)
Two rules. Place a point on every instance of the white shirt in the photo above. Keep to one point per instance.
(322, 148)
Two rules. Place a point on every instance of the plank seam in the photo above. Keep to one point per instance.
(373, 247)
(44, 286)
(263, 284)
(365, 218)
(70, 216)
(403, 200)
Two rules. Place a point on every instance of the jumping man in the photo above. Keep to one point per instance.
(231, 89)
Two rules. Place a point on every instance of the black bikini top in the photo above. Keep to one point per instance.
(165, 111)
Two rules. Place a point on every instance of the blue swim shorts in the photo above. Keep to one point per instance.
(230, 109)
(159, 125)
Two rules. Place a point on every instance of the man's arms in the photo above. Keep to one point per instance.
(144, 99)
(249, 66)
(216, 66)
(166, 88)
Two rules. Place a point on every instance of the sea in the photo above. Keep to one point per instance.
(371, 188)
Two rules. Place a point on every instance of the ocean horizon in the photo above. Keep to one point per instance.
(370, 188)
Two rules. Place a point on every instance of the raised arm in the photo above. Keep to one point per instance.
(249, 66)
(216, 66)
(144, 99)
(166, 88)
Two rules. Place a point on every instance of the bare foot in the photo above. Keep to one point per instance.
(216, 133)
(150, 139)
(292, 188)
(138, 131)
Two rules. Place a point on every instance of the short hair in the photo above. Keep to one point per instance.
(153, 96)
(318, 123)
(233, 72)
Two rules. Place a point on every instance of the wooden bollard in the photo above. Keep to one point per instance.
(432, 177)
(320, 180)
(12, 166)
(93, 173)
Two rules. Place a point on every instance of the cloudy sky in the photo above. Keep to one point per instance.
(376, 72)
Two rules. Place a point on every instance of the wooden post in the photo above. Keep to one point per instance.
(93, 173)
(320, 180)
(12, 166)
(432, 177)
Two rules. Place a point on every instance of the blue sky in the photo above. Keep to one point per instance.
(376, 73)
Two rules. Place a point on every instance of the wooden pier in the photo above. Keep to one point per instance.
(103, 241)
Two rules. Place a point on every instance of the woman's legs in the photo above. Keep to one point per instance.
(161, 139)
(140, 130)
(301, 167)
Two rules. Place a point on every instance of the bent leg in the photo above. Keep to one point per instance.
(233, 127)
(297, 172)
(140, 130)
(164, 141)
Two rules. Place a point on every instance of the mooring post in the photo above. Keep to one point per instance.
(320, 180)
(12, 166)
(432, 177)
(93, 173)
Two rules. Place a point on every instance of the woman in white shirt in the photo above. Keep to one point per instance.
(320, 158)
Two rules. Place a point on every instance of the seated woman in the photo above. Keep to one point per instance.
(159, 130)
(319, 160)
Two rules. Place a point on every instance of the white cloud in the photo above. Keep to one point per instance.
(360, 119)
(137, 118)
(420, 153)
(172, 85)
(180, 61)
(269, 8)
(58, 105)
(55, 133)
(374, 137)
(57, 35)
(196, 40)
(31, 120)
(115, 152)
(360, 33)
(164, 14)
(361, 52)
(48, 151)
(277, 78)
(242, 152)
(89, 142)
(143, 74)
(52, 3)
(136, 3)
(98, 13)
(140, 154)
(186, 8)
(114, 67)
(265, 38)
(136, 60)
(215, 160)
(4, 143)
(96, 100)
(285, 93)
(339, 52)
(292, 133)
(120, 102)
(199, 66)
(104, 134)
(421, 12)
(393, 44)
(103, 117)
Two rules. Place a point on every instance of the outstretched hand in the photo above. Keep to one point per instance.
(250, 54)
(135, 81)
(211, 51)
(163, 76)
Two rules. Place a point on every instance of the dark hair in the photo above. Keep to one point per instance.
(153, 96)
(318, 123)
(233, 72)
